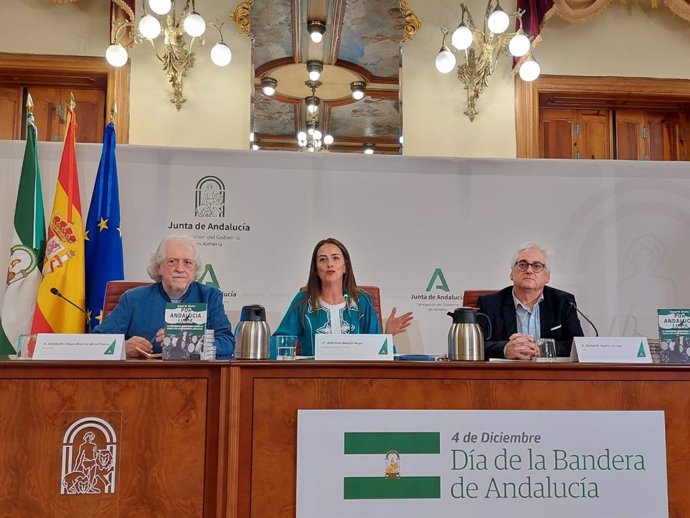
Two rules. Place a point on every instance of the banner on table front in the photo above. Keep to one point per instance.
(487, 463)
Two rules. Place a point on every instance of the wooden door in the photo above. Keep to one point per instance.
(50, 112)
(50, 80)
(663, 136)
(557, 135)
(575, 133)
(10, 112)
(629, 141)
(594, 135)
(648, 135)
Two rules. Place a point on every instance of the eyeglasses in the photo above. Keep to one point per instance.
(536, 267)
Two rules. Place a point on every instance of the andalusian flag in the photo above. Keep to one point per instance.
(396, 477)
(103, 239)
(63, 267)
(27, 249)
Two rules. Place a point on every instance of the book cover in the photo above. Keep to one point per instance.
(674, 335)
(185, 325)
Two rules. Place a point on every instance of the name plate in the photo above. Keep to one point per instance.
(53, 346)
(626, 349)
(353, 347)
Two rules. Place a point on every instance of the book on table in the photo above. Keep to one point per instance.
(674, 335)
(185, 325)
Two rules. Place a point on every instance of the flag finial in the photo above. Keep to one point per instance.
(29, 104)
(72, 103)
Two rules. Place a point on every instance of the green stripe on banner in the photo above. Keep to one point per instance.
(379, 488)
(368, 443)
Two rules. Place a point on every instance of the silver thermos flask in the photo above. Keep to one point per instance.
(465, 337)
(252, 336)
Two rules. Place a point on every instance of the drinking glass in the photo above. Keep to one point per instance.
(547, 349)
(286, 347)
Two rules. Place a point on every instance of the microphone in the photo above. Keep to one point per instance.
(59, 295)
(349, 313)
(585, 317)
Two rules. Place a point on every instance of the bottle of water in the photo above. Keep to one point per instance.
(209, 345)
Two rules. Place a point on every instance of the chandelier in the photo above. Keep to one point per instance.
(311, 139)
(482, 49)
(180, 32)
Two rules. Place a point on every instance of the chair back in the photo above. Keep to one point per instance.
(469, 298)
(375, 295)
(114, 290)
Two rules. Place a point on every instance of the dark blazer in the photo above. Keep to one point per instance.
(555, 311)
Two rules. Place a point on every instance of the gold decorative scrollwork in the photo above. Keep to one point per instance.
(412, 23)
(241, 17)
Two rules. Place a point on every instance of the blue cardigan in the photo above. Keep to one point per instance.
(141, 312)
(358, 317)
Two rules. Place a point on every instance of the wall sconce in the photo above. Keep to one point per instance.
(316, 29)
(369, 148)
(176, 54)
(357, 88)
(268, 85)
(314, 67)
(482, 49)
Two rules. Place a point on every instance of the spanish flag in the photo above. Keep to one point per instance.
(63, 266)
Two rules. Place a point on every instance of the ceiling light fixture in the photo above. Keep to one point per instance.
(180, 32)
(312, 103)
(316, 29)
(358, 88)
(314, 67)
(483, 48)
(313, 140)
(369, 148)
(268, 85)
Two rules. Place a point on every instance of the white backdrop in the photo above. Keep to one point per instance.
(619, 230)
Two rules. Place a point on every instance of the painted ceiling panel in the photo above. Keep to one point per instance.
(271, 116)
(371, 35)
(378, 117)
(271, 23)
(369, 38)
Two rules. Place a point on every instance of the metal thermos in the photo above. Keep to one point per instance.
(465, 337)
(252, 336)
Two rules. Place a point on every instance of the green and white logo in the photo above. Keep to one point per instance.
(208, 277)
(384, 348)
(397, 451)
(438, 281)
(111, 348)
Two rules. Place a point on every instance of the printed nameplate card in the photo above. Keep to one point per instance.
(52, 346)
(606, 349)
(354, 347)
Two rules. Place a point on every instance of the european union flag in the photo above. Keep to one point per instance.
(103, 244)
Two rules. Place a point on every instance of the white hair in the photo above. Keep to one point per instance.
(533, 246)
(159, 255)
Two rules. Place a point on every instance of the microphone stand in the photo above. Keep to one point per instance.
(585, 317)
(59, 295)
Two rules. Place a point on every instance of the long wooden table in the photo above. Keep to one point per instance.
(219, 439)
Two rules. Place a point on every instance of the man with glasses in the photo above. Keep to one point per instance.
(528, 310)
(140, 314)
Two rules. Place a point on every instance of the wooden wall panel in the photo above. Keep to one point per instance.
(163, 426)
